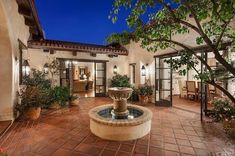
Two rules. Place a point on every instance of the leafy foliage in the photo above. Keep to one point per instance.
(223, 110)
(120, 81)
(166, 19)
(145, 90)
(31, 96)
(38, 79)
(61, 95)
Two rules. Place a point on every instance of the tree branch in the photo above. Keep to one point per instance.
(189, 50)
(204, 36)
(179, 20)
(214, 3)
(221, 34)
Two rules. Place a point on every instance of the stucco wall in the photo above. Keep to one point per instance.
(141, 57)
(37, 58)
(12, 28)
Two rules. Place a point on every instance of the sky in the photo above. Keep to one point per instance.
(83, 21)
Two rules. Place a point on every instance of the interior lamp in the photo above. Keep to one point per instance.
(115, 69)
(46, 68)
(25, 68)
(143, 70)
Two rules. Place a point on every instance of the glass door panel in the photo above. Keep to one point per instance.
(100, 79)
(163, 82)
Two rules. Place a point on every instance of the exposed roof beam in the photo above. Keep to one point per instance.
(24, 11)
(74, 53)
(29, 22)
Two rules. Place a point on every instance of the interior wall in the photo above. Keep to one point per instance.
(12, 28)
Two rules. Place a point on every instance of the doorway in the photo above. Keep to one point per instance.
(85, 78)
(171, 87)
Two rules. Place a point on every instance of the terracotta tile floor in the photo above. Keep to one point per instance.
(3, 126)
(66, 133)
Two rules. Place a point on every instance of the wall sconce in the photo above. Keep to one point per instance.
(143, 70)
(46, 68)
(115, 69)
(25, 68)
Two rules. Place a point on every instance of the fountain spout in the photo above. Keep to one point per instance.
(120, 96)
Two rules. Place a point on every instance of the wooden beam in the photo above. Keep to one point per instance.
(33, 30)
(46, 50)
(29, 22)
(111, 56)
(74, 53)
(24, 11)
(52, 51)
(93, 54)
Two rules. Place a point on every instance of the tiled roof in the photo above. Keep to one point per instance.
(78, 47)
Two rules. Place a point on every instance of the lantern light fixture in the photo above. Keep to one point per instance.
(143, 70)
(46, 68)
(25, 68)
(115, 69)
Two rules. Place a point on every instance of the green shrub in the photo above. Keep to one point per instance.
(31, 96)
(223, 110)
(38, 79)
(120, 81)
(61, 95)
(145, 90)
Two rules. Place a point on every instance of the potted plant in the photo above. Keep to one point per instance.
(145, 92)
(224, 112)
(120, 81)
(32, 99)
(60, 97)
(73, 100)
(134, 96)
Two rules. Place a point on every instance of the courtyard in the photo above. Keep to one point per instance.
(117, 78)
(66, 132)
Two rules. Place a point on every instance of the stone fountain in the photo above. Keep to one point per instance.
(120, 121)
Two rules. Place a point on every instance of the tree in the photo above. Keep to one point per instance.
(210, 19)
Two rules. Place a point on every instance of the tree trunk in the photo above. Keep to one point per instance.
(228, 66)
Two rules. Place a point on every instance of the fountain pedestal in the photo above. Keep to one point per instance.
(120, 96)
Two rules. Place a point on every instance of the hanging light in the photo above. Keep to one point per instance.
(46, 68)
(115, 69)
(25, 68)
(143, 70)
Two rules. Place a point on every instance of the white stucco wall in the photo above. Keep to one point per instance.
(12, 28)
(141, 57)
(37, 59)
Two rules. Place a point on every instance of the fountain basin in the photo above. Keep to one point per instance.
(137, 125)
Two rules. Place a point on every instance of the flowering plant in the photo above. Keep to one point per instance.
(2, 153)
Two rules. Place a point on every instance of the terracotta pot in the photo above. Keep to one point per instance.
(150, 99)
(55, 105)
(74, 102)
(32, 113)
(143, 99)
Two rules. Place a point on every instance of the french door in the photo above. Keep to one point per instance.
(100, 79)
(163, 82)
